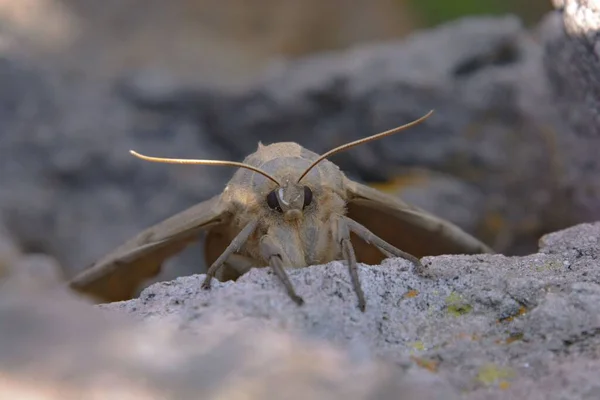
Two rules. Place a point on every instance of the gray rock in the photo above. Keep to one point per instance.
(55, 346)
(472, 327)
(571, 61)
(9, 251)
(68, 179)
(488, 325)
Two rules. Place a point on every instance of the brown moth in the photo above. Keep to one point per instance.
(284, 207)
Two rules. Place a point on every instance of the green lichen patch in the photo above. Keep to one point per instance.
(456, 305)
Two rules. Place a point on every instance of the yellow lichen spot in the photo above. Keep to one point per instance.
(514, 338)
(418, 345)
(552, 265)
(490, 374)
(411, 293)
(503, 385)
(456, 305)
(429, 365)
(453, 298)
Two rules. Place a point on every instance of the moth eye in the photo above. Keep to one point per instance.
(308, 196)
(273, 202)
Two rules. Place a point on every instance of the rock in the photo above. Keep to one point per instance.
(28, 271)
(37, 271)
(571, 61)
(471, 327)
(572, 53)
(485, 323)
(572, 242)
(56, 346)
(9, 251)
(68, 179)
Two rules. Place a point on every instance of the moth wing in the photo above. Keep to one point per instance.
(404, 226)
(119, 274)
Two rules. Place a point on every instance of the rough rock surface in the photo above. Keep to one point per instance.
(476, 327)
(55, 345)
(490, 326)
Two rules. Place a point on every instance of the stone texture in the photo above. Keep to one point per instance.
(57, 346)
(471, 327)
(485, 324)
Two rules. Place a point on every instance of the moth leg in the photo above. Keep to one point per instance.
(370, 237)
(234, 246)
(270, 250)
(350, 256)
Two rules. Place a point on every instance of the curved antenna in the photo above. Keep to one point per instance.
(362, 141)
(204, 162)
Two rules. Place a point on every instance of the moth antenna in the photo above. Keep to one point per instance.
(362, 141)
(204, 162)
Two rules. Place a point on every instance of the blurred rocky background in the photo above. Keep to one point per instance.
(83, 82)
(209, 41)
(510, 154)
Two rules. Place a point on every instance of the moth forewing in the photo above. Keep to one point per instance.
(405, 226)
(119, 274)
